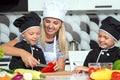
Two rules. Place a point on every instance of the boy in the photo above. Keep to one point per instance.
(29, 26)
(108, 36)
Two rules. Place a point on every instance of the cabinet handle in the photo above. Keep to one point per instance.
(103, 6)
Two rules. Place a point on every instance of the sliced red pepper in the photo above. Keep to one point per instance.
(48, 69)
(51, 64)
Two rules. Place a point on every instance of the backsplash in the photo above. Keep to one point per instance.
(82, 28)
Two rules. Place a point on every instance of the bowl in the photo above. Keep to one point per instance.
(108, 65)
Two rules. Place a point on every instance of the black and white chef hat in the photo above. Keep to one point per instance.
(112, 27)
(27, 21)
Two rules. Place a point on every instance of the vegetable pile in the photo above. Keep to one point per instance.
(105, 74)
(20, 74)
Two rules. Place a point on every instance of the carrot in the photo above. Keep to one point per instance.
(5, 78)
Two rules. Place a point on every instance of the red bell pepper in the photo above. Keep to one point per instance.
(48, 69)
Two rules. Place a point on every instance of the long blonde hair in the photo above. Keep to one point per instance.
(62, 39)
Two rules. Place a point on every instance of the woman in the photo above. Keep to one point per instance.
(53, 34)
(53, 39)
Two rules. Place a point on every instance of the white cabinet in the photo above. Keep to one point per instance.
(99, 5)
(37, 5)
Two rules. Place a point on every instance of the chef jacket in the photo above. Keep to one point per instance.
(16, 62)
(96, 55)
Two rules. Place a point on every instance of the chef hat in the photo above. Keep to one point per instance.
(112, 27)
(27, 21)
(54, 9)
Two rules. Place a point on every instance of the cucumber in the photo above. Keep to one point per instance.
(7, 70)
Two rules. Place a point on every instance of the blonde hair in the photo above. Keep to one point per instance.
(62, 39)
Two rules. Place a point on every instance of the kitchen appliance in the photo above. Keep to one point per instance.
(74, 45)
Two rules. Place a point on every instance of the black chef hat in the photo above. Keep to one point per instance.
(27, 21)
(111, 26)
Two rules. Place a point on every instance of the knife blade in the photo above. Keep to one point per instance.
(42, 65)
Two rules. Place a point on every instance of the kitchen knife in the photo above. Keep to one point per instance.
(43, 65)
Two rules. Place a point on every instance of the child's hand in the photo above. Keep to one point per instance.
(78, 69)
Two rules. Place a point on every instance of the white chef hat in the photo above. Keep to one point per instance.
(54, 9)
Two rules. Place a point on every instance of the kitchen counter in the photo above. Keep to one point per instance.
(65, 75)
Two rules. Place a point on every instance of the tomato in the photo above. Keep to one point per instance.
(91, 70)
(115, 75)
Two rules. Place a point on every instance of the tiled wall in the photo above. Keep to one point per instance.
(83, 28)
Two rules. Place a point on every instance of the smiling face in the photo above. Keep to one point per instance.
(105, 40)
(32, 35)
(52, 26)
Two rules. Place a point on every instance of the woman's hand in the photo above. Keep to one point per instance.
(29, 60)
(79, 69)
(56, 67)
(9, 49)
(59, 64)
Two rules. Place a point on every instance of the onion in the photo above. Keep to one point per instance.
(3, 74)
(27, 76)
(18, 77)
